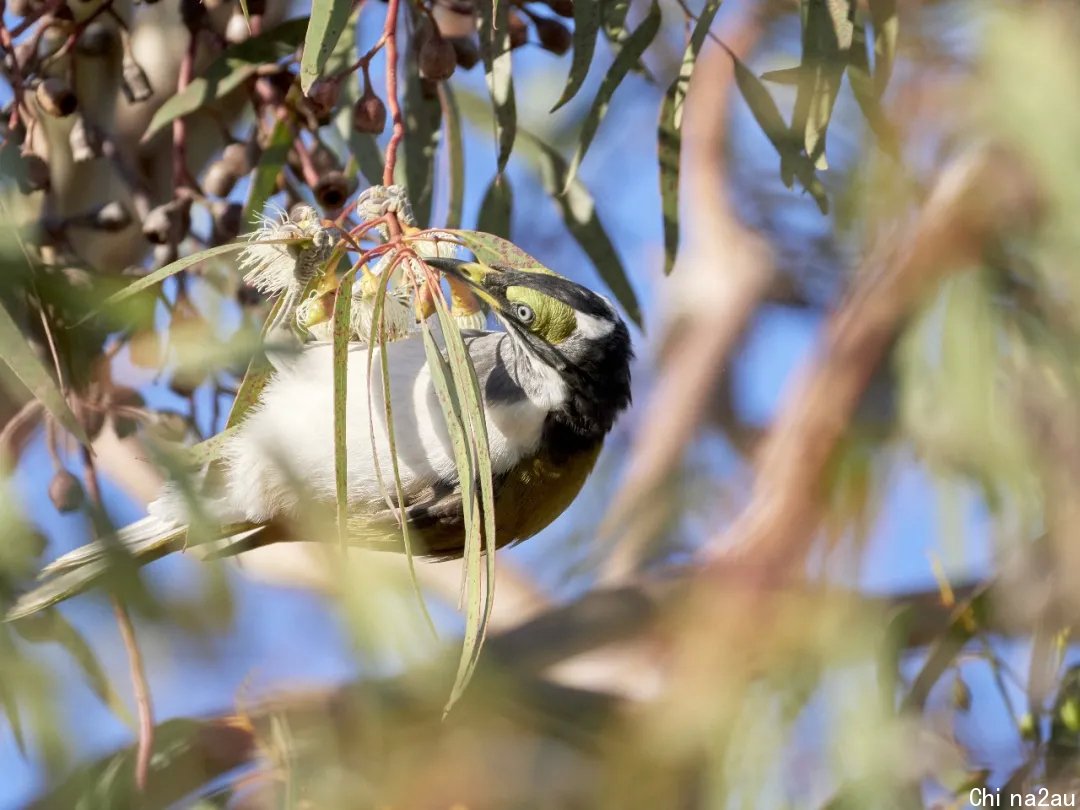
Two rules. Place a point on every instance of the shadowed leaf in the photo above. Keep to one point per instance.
(233, 67)
(629, 55)
(494, 27)
(497, 207)
(455, 154)
(586, 30)
(264, 182)
(20, 357)
(416, 161)
(328, 20)
(578, 211)
(669, 135)
(886, 27)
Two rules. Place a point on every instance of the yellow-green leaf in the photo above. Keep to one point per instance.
(327, 21)
(586, 30)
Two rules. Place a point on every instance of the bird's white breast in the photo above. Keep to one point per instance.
(285, 448)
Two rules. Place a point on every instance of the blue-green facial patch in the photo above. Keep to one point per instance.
(554, 321)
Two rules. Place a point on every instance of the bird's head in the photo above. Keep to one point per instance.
(564, 326)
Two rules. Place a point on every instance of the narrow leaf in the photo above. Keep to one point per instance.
(586, 30)
(342, 329)
(886, 28)
(496, 250)
(455, 154)
(614, 14)
(17, 354)
(493, 22)
(629, 55)
(416, 162)
(669, 136)
(827, 35)
(328, 19)
(171, 269)
(579, 213)
(264, 181)
(862, 87)
(497, 207)
(233, 67)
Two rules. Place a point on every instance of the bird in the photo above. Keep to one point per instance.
(552, 381)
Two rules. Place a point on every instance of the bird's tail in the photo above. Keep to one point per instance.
(143, 541)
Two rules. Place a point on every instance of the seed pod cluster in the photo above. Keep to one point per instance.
(553, 35)
(221, 176)
(85, 141)
(111, 217)
(332, 190)
(168, 224)
(123, 401)
(369, 112)
(226, 219)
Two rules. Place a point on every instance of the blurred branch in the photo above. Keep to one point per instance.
(980, 195)
(721, 275)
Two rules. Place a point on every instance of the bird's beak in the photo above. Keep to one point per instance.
(472, 273)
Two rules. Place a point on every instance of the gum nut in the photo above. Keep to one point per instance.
(456, 20)
(237, 30)
(65, 491)
(112, 217)
(564, 8)
(35, 173)
(369, 114)
(332, 190)
(437, 59)
(467, 52)
(236, 157)
(518, 29)
(219, 179)
(553, 35)
(97, 39)
(227, 218)
(135, 83)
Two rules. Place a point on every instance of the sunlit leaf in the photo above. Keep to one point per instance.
(631, 51)
(264, 181)
(827, 35)
(17, 354)
(494, 27)
(886, 28)
(455, 154)
(416, 161)
(586, 30)
(613, 14)
(342, 330)
(171, 269)
(578, 211)
(669, 136)
(496, 250)
(497, 207)
(328, 20)
(232, 68)
(862, 87)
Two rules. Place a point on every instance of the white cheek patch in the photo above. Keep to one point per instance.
(591, 328)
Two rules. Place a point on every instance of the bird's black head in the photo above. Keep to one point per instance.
(568, 329)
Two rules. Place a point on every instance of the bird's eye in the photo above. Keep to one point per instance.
(524, 313)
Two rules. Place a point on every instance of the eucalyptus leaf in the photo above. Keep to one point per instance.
(886, 25)
(264, 181)
(578, 211)
(496, 250)
(497, 207)
(827, 35)
(416, 161)
(863, 88)
(17, 354)
(669, 136)
(455, 154)
(493, 23)
(328, 20)
(629, 55)
(233, 67)
(586, 30)
(342, 330)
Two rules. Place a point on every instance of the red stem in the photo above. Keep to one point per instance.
(181, 177)
(390, 32)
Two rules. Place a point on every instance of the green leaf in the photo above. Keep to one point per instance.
(493, 249)
(342, 330)
(827, 35)
(614, 14)
(416, 161)
(455, 153)
(171, 269)
(17, 354)
(886, 27)
(629, 55)
(478, 607)
(497, 207)
(264, 181)
(578, 211)
(669, 136)
(862, 87)
(233, 67)
(493, 22)
(51, 626)
(793, 163)
(586, 30)
(328, 19)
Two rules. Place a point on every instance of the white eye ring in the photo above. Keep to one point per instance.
(524, 313)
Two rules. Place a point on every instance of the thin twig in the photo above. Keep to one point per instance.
(390, 32)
